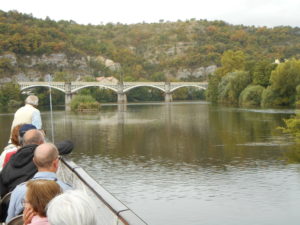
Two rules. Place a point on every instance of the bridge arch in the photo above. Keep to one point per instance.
(98, 85)
(188, 85)
(126, 90)
(41, 85)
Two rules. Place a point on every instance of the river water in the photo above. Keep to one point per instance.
(186, 163)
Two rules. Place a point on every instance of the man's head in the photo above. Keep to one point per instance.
(22, 130)
(46, 157)
(33, 137)
(32, 100)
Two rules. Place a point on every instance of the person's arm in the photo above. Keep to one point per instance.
(15, 204)
(36, 120)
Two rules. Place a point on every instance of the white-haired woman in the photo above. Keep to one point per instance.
(72, 207)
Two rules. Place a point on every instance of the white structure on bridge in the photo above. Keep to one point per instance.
(69, 88)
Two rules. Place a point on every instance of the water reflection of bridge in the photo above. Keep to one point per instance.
(69, 88)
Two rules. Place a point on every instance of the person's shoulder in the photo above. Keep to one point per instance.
(20, 188)
(30, 147)
(21, 108)
(64, 185)
(35, 110)
(10, 147)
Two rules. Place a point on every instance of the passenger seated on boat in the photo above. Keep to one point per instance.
(11, 148)
(46, 159)
(72, 207)
(39, 194)
(20, 167)
(17, 140)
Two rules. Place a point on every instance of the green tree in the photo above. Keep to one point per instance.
(10, 95)
(88, 78)
(144, 94)
(63, 76)
(181, 94)
(58, 97)
(232, 61)
(232, 85)
(158, 76)
(298, 96)
(251, 96)
(284, 80)
(262, 73)
(270, 98)
(212, 89)
(292, 127)
(188, 93)
(6, 68)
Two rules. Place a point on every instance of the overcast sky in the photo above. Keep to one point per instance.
(248, 12)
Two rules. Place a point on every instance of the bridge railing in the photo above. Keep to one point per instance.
(77, 85)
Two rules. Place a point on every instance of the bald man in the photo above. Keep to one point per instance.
(20, 167)
(47, 161)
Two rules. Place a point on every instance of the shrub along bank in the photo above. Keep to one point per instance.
(84, 103)
(247, 83)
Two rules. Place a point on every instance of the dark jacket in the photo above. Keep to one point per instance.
(21, 168)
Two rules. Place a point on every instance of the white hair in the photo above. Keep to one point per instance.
(72, 207)
(32, 100)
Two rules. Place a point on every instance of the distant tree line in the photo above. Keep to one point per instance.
(255, 83)
(154, 52)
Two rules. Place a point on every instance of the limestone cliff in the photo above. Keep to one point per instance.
(33, 68)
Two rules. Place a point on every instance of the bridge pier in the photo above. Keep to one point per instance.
(168, 97)
(168, 93)
(68, 96)
(122, 98)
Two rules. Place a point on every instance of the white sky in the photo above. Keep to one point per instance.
(248, 12)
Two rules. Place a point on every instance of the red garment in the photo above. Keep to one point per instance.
(7, 156)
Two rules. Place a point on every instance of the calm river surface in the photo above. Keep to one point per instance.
(186, 163)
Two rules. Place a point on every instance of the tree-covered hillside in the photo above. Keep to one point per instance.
(156, 51)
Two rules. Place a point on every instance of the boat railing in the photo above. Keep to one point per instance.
(110, 210)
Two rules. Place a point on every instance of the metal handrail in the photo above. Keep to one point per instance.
(126, 215)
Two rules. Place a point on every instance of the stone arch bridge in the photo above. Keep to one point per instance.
(70, 88)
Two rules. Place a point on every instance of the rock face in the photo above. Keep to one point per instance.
(201, 72)
(33, 68)
(11, 57)
(108, 63)
(60, 60)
